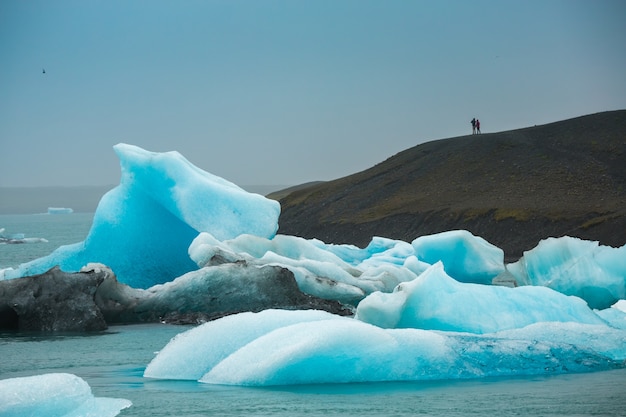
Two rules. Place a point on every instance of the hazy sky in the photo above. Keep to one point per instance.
(285, 92)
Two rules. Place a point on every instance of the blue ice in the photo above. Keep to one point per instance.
(54, 395)
(574, 266)
(185, 358)
(465, 257)
(278, 347)
(434, 301)
(143, 227)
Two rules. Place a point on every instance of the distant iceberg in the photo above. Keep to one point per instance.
(60, 210)
(18, 238)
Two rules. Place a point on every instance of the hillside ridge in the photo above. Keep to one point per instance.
(512, 188)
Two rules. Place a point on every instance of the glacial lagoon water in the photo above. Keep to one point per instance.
(113, 362)
(57, 229)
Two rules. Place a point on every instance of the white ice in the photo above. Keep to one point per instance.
(18, 238)
(60, 210)
(55, 395)
(348, 273)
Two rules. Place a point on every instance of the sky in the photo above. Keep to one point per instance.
(286, 92)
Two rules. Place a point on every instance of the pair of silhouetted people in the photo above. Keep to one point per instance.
(475, 126)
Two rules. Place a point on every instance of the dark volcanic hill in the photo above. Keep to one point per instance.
(512, 188)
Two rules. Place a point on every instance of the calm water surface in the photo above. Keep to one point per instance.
(57, 229)
(113, 363)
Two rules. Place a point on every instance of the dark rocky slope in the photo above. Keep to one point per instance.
(512, 188)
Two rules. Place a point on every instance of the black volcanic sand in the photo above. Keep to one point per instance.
(512, 188)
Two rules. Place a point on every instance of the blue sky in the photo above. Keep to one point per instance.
(285, 92)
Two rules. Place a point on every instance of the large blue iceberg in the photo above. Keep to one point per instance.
(54, 395)
(143, 227)
(279, 347)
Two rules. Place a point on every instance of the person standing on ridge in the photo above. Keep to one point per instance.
(477, 126)
(473, 122)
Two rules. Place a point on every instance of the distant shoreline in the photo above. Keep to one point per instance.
(81, 199)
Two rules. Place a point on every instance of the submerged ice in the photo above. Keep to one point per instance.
(425, 309)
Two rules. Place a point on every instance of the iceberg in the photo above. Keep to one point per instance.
(574, 266)
(18, 238)
(434, 301)
(466, 258)
(185, 358)
(55, 395)
(278, 347)
(60, 210)
(203, 295)
(143, 227)
(347, 273)
(317, 272)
